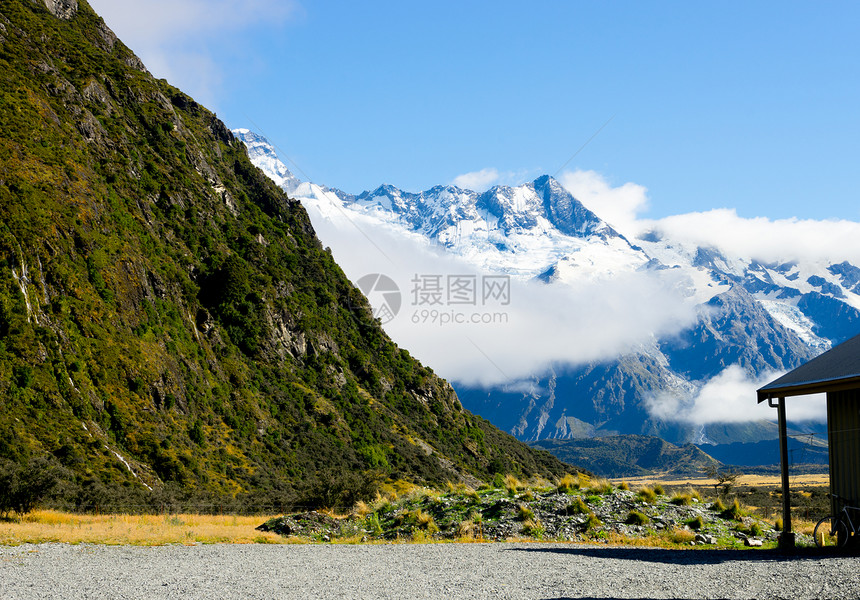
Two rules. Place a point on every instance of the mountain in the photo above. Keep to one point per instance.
(170, 325)
(752, 319)
(631, 456)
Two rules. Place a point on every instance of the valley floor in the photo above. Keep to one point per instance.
(451, 571)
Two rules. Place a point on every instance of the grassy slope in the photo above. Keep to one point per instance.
(162, 301)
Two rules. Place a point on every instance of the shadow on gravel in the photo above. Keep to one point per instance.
(685, 557)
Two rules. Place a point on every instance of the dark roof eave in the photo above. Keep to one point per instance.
(809, 387)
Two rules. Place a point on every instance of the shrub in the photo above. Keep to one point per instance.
(755, 529)
(777, 525)
(23, 487)
(658, 489)
(634, 517)
(696, 523)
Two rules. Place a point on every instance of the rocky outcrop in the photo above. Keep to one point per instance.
(62, 9)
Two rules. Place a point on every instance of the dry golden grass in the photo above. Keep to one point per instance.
(43, 526)
(809, 479)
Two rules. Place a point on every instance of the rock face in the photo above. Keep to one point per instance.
(62, 9)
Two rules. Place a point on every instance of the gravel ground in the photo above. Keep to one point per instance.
(501, 570)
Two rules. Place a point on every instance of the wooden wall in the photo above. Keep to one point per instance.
(843, 431)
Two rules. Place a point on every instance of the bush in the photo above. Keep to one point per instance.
(340, 488)
(658, 489)
(23, 487)
(696, 524)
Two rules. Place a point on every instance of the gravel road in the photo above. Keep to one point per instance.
(449, 571)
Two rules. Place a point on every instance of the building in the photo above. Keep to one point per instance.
(837, 374)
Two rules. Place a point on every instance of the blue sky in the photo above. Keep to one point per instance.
(750, 106)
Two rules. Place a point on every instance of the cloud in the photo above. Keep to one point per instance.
(172, 37)
(499, 340)
(477, 180)
(726, 399)
(618, 206)
(761, 238)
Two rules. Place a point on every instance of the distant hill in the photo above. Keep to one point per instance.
(169, 322)
(629, 455)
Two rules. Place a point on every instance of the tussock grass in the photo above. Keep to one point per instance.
(681, 536)
(647, 494)
(43, 526)
(568, 484)
(534, 528)
(600, 486)
(681, 499)
(634, 517)
(512, 484)
(577, 507)
(734, 511)
(524, 513)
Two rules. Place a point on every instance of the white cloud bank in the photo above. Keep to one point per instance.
(619, 206)
(729, 398)
(757, 238)
(478, 181)
(492, 342)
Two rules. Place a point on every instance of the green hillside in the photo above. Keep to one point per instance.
(168, 318)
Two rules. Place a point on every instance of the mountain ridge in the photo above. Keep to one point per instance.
(170, 324)
(754, 318)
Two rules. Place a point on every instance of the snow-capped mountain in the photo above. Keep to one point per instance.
(752, 318)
